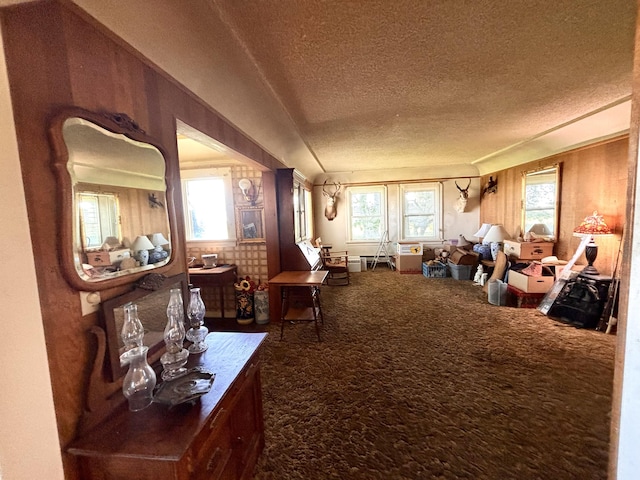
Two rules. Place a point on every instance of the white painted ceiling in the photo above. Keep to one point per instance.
(330, 86)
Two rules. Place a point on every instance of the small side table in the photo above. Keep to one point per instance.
(215, 277)
(312, 280)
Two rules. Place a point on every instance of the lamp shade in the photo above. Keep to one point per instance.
(158, 239)
(484, 229)
(463, 242)
(592, 225)
(497, 234)
(540, 229)
(141, 243)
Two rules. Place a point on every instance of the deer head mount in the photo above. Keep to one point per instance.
(461, 202)
(330, 207)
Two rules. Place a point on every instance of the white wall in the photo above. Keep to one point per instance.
(334, 232)
(629, 435)
(29, 446)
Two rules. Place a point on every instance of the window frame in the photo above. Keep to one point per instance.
(405, 188)
(223, 173)
(384, 214)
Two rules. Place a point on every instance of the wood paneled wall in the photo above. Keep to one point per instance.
(592, 178)
(57, 57)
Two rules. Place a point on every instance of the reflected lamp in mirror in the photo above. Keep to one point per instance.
(140, 248)
(496, 237)
(159, 243)
(248, 190)
(592, 226)
(110, 243)
(482, 232)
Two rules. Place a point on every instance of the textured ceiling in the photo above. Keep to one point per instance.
(391, 84)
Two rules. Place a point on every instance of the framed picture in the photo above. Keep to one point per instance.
(250, 225)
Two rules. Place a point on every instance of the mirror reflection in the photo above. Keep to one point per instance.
(540, 203)
(152, 312)
(120, 221)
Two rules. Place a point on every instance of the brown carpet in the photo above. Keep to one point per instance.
(420, 378)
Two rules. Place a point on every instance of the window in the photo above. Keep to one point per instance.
(367, 210)
(301, 211)
(421, 211)
(99, 218)
(540, 197)
(208, 204)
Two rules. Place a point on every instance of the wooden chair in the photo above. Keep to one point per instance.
(335, 262)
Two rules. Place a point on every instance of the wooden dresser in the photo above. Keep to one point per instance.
(219, 437)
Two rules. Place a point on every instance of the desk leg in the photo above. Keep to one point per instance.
(221, 288)
(283, 308)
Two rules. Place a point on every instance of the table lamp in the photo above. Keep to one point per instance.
(496, 236)
(591, 226)
(482, 231)
(140, 247)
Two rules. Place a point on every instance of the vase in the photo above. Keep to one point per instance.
(244, 307)
(132, 332)
(175, 357)
(140, 379)
(197, 331)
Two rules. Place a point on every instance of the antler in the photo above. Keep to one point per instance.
(463, 189)
(337, 187)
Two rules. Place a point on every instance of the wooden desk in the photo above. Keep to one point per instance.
(221, 436)
(312, 280)
(214, 277)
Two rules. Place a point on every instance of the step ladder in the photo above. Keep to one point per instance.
(383, 251)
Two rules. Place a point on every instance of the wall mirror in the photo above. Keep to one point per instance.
(152, 311)
(250, 225)
(540, 202)
(114, 217)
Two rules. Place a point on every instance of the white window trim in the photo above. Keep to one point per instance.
(412, 187)
(220, 172)
(384, 214)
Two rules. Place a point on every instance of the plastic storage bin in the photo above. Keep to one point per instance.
(460, 272)
(436, 270)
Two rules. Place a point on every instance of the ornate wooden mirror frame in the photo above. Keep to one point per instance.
(136, 170)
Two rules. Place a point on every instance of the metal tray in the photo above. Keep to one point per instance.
(188, 388)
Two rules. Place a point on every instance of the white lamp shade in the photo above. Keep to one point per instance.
(158, 239)
(497, 234)
(484, 229)
(141, 243)
(462, 242)
(540, 229)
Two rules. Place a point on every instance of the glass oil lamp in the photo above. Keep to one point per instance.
(197, 331)
(175, 357)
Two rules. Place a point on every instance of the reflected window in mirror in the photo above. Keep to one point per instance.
(208, 204)
(540, 202)
(99, 218)
(107, 170)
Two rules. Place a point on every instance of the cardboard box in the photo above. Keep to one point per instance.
(103, 258)
(528, 250)
(464, 257)
(407, 248)
(409, 263)
(530, 284)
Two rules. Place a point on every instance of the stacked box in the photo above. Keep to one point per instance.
(435, 270)
(460, 272)
(408, 263)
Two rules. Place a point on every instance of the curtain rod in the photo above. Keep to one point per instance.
(395, 182)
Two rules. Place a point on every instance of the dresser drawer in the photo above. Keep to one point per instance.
(528, 250)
